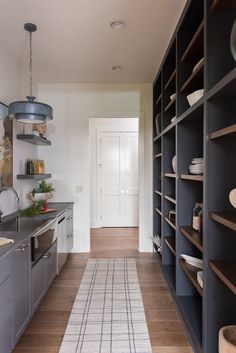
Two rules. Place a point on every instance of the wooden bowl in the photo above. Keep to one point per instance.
(227, 339)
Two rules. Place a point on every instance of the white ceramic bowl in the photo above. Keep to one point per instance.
(172, 96)
(232, 197)
(40, 196)
(227, 339)
(174, 165)
(195, 96)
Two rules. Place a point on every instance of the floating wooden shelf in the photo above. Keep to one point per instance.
(194, 236)
(225, 270)
(228, 219)
(170, 105)
(157, 155)
(170, 223)
(158, 192)
(170, 175)
(170, 242)
(191, 272)
(156, 138)
(195, 46)
(170, 198)
(171, 80)
(33, 139)
(194, 81)
(223, 5)
(33, 176)
(229, 130)
(158, 211)
(191, 177)
(158, 99)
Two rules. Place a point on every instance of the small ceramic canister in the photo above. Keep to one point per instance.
(227, 339)
(232, 197)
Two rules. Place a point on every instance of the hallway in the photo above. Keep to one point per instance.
(45, 331)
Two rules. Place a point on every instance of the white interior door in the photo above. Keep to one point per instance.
(119, 179)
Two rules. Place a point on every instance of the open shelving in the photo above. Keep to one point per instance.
(225, 270)
(192, 235)
(33, 176)
(207, 130)
(191, 272)
(33, 139)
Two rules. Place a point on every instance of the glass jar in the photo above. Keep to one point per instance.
(197, 217)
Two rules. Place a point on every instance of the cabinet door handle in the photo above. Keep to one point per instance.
(46, 256)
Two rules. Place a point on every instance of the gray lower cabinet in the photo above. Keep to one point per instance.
(69, 229)
(21, 289)
(42, 275)
(6, 305)
(50, 265)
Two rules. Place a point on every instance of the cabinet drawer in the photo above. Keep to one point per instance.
(5, 268)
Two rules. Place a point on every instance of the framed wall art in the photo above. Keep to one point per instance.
(6, 147)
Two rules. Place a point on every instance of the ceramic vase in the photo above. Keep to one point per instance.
(227, 339)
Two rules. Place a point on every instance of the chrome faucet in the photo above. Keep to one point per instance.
(5, 188)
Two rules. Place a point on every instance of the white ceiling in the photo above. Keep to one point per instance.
(75, 44)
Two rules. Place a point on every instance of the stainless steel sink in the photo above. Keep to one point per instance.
(20, 224)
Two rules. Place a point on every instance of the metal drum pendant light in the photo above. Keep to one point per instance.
(30, 111)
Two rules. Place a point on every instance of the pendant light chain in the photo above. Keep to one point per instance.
(30, 111)
(31, 67)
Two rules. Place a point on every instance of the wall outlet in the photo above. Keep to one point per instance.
(79, 189)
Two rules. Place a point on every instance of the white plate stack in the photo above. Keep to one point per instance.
(196, 166)
(194, 261)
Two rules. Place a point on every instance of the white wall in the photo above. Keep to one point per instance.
(97, 125)
(11, 89)
(68, 157)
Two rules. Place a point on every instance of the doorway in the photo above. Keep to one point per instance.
(114, 157)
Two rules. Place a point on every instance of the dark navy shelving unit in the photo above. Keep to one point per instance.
(207, 129)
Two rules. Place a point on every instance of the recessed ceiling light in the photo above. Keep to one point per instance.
(118, 68)
(118, 24)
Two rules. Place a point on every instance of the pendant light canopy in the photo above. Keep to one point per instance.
(30, 111)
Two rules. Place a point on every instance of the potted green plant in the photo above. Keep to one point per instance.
(42, 193)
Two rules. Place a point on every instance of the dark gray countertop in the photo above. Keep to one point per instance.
(28, 225)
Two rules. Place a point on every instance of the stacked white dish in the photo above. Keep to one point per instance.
(192, 260)
(196, 166)
(200, 278)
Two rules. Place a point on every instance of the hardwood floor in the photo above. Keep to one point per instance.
(45, 331)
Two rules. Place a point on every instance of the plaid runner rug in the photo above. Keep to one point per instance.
(108, 314)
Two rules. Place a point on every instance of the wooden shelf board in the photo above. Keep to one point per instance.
(223, 5)
(158, 211)
(33, 139)
(157, 138)
(194, 81)
(223, 132)
(195, 44)
(194, 236)
(33, 176)
(159, 155)
(228, 219)
(170, 242)
(191, 272)
(170, 175)
(158, 99)
(225, 270)
(158, 192)
(170, 104)
(171, 79)
(170, 223)
(170, 198)
(191, 177)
